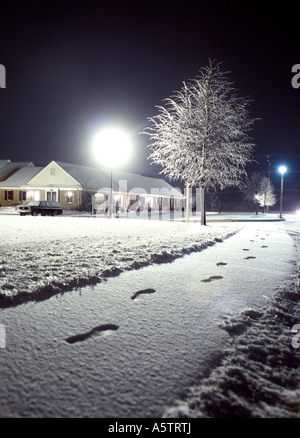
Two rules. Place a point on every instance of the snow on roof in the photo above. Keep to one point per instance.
(21, 177)
(92, 178)
(97, 178)
(7, 167)
(88, 177)
(150, 185)
(3, 162)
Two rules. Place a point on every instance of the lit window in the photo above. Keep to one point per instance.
(70, 198)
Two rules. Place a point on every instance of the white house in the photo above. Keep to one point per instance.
(75, 187)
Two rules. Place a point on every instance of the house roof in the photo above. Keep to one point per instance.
(3, 162)
(53, 176)
(91, 178)
(88, 177)
(99, 178)
(150, 185)
(21, 177)
(7, 168)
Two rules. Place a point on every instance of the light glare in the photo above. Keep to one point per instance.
(282, 170)
(112, 147)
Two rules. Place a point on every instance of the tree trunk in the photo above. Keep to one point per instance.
(187, 205)
(202, 203)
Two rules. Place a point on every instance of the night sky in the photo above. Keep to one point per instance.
(74, 67)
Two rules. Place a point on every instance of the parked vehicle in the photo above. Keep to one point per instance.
(44, 208)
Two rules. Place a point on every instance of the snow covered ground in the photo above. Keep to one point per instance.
(129, 342)
(258, 373)
(41, 256)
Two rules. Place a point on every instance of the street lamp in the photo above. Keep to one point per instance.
(282, 170)
(112, 148)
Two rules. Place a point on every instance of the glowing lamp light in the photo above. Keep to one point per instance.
(112, 147)
(282, 170)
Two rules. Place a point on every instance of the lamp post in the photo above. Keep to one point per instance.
(269, 174)
(282, 170)
(112, 148)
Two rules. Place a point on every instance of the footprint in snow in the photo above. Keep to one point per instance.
(264, 246)
(246, 249)
(99, 329)
(141, 292)
(249, 257)
(221, 264)
(214, 277)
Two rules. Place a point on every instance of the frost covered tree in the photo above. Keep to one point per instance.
(253, 188)
(266, 196)
(260, 190)
(200, 136)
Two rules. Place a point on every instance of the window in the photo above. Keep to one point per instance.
(69, 197)
(160, 204)
(33, 195)
(52, 171)
(172, 203)
(9, 195)
(51, 196)
(22, 195)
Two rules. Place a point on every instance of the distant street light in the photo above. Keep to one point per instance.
(282, 170)
(112, 148)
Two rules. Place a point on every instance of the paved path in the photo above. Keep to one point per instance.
(130, 346)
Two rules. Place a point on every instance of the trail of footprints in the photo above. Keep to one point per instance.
(247, 249)
(219, 277)
(104, 328)
(107, 328)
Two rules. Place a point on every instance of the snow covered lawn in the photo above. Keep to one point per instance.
(41, 256)
(131, 346)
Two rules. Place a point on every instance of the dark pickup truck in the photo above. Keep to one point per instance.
(45, 208)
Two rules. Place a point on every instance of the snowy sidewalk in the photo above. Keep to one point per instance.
(130, 346)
